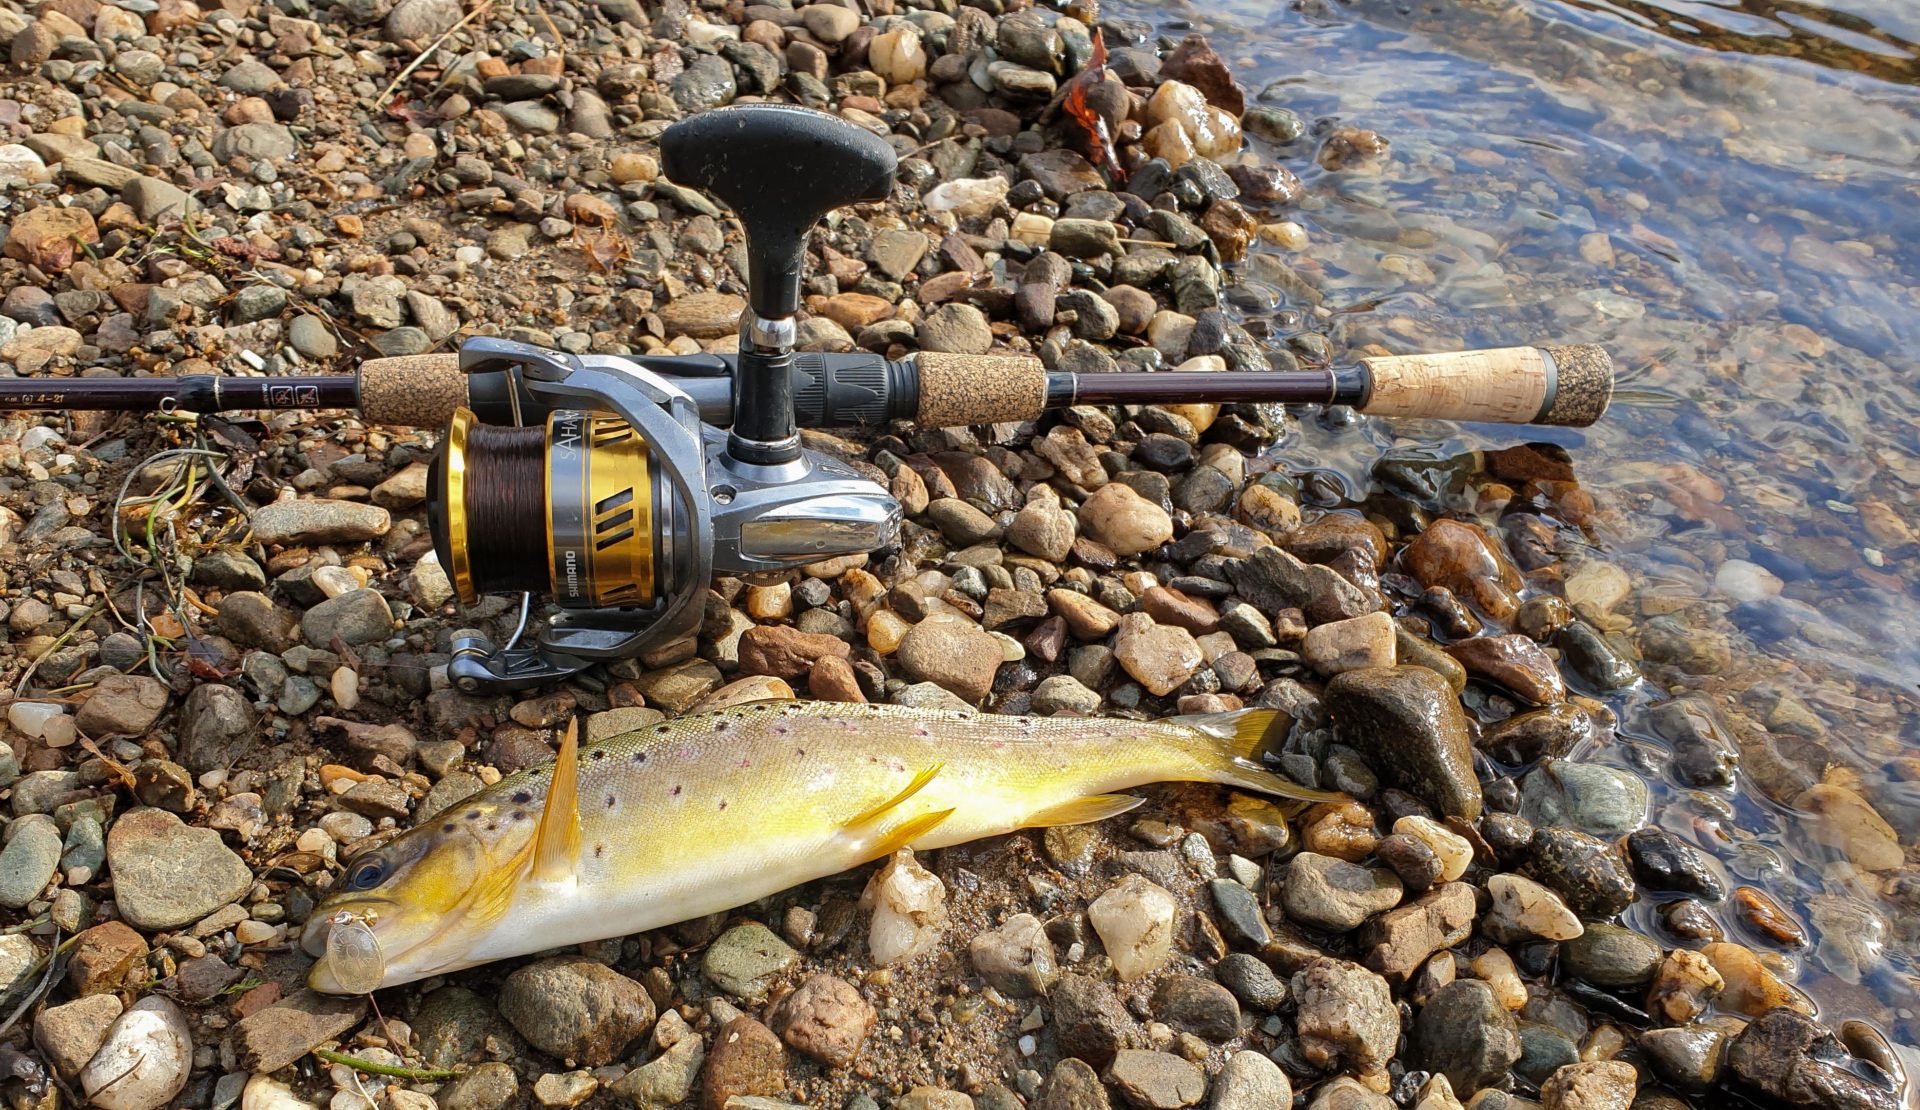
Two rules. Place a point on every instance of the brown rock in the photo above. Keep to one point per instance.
(1459, 556)
(1195, 62)
(703, 315)
(786, 652)
(105, 957)
(825, 1018)
(49, 236)
(1515, 662)
(854, 311)
(832, 679)
(956, 655)
(1397, 942)
(275, 1037)
(1170, 606)
(746, 1059)
(1160, 657)
(1086, 618)
(1123, 520)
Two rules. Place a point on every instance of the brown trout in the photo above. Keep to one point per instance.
(712, 811)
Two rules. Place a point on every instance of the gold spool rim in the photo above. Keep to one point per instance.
(461, 572)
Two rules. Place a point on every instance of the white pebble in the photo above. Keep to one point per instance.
(1744, 581)
(143, 1061)
(1452, 848)
(255, 932)
(264, 1092)
(346, 687)
(909, 905)
(334, 581)
(30, 718)
(345, 827)
(1135, 922)
(1525, 908)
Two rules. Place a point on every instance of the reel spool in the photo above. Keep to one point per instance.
(574, 509)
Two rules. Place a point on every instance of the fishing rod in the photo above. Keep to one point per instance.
(1565, 385)
(619, 486)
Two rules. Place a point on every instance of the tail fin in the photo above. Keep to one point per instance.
(1239, 739)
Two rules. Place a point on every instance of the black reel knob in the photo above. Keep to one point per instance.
(780, 168)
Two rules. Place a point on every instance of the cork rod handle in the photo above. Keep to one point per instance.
(1508, 385)
(979, 389)
(417, 390)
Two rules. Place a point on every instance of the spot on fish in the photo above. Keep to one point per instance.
(998, 744)
(800, 753)
(722, 725)
(723, 804)
(746, 763)
(922, 731)
(598, 754)
(523, 796)
(660, 730)
(610, 801)
(674, 792)
(448, 827)
(493, 826)
(599, 850)
(779, 729)
(639, 757)
(473, 815)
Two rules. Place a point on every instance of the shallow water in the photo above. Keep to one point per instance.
(1727, 196)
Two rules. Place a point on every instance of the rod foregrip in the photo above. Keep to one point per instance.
(418, 390)
(1568, 385)
(978, 389)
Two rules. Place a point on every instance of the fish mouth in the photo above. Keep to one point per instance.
(360, 945)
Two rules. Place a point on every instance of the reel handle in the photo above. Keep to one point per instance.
(780, 168)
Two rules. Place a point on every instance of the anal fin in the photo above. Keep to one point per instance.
(556, 853)
(909, 831)
(1083, 811)
(872, 816)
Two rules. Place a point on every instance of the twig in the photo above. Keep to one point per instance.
(46, 983)
(357, 1064)
(421, 58)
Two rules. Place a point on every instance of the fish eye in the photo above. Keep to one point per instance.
(369, 872)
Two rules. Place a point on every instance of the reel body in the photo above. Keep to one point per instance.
(620, 507)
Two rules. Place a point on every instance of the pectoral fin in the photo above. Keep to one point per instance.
(556, 853)
(1083, 811)
(908, 832)
(873, 816)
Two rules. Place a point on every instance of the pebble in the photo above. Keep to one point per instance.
(1348, 645)
(167, 874)
(1453, 851)
(1586, 872)
(1156, 1080)
(1689, 1058)
(825, 1018)
(1135, 922)
(1611, 956)
(319, 521)
(1251, 981)
(1464, 1033)
(908, 904)
(71, 1032)
(1334, 895)
(1160, 657)
(576, 1010)
(1344, 1016)
(1016, 959)
(1413, 730)
(1250, 1081)
(143, 1060)
(29, 860)
(1122, 520)
(1590, 797)
(745, 961)
(1198, 1006)
(1524, 908)
(955, 654)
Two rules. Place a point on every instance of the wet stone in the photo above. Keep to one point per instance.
(1662, 861)
(1411, 725)
(1592, 798)
(1251, 981)
(1611, 956)
(1198, 1006)
(1583, 870)
(1465, 1033)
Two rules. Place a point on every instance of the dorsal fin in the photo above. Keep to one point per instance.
(556, 852)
